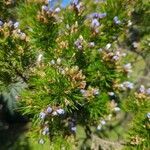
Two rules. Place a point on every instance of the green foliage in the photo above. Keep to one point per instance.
(68, 67)
(138, 105)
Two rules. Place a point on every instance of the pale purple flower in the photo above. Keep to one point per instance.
(73, 129)
(95, 23)
(16, 25)
(79, 6)
(94, 15)
(83, 91)
(115, 57)
(45, 131)
(75, 2)
(116, 20)
(42, 115)
(78, 43)
(128, 85)
(91, 44)
(102, 15)
(60, 111)
(142, 89)
(45, 8)
(49, 110)
(1, 23)
(97, 15)
(103, 122)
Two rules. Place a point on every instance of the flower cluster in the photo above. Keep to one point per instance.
(51, 112)
(127, 68)
(48, 12)
(11, 28)
(112, 56)
(77, 6)
(79, 43)
(90, 92)
(126, 85)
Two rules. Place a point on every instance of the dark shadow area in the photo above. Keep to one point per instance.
(11, 137)
(12, 129)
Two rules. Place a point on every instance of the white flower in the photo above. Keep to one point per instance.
(57, 10)
(148, 91)
(60, 111)
(103, 122)
(96, 92)
(41, 141)
(122, 87)
(22, 36)
(109, 117)
(123, 54)
(100, 50)
(148, 115)
(108, 46)
(54, 113)
(39, 58)
(116, 109)
(111, 93)
(99, 127)
(135, 44)
(58, 61)
(45, 131)
(129, 23)
(91, 44)
(128, 67)
(52, 62)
